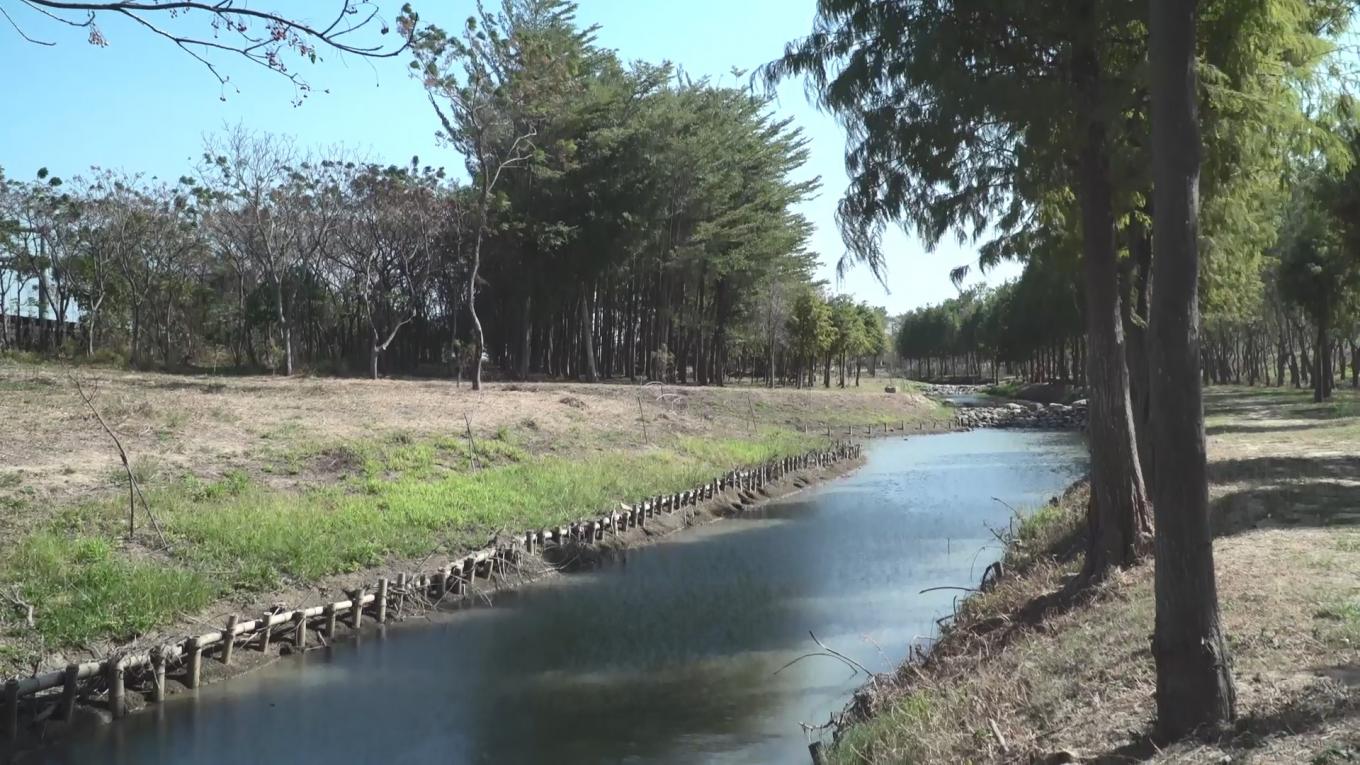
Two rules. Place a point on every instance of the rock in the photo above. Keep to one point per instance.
(890, 389)
(1079, 404)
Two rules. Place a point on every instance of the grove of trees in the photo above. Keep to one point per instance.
(613, 221)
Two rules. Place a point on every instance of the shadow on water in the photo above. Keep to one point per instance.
(668, 653)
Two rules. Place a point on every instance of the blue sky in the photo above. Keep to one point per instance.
(142, 105)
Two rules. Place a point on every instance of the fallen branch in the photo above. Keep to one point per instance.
(23, 606)
(947, 587)
(855, 666)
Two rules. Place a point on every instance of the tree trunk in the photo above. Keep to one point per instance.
(1320, 358)
(526, 337)
(1194, 685)
(285, 330)
(588, 368)
(1119, 521)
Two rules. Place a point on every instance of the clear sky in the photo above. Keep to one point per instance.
(140, 104)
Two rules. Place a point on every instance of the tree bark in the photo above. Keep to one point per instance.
(1194, 684)
(1118, 520)
(588, 368)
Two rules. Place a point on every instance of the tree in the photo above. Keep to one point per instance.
(262, 37)
(391, 234)
(811, 333)
(470, 80)
(1317, 272)
(1194, 682)
(967, 115)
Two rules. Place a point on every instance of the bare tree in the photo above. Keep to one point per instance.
(391, 234)
(274, 208)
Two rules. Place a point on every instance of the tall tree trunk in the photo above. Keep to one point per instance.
(1135, 327)
(588, 368)
(1194, 684)
(526, 331)
(1119, 521)
(1320, 358)
(285, 329)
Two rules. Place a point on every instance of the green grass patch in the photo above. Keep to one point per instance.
(82, 588)
(404, 499)
(899, 733)
(1339, 623)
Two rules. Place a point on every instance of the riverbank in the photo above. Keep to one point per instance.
(1020, 677)
(273, 491)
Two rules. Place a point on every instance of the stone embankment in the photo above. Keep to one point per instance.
(1026, 414)
(970, 414)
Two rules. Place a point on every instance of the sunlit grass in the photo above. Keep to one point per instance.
(82, 588)
(406, 499)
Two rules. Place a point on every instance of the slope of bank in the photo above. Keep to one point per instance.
(1021, 677)
(270, 490)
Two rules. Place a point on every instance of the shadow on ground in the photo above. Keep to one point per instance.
(1323, 705)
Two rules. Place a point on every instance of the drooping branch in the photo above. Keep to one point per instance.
(260, 36)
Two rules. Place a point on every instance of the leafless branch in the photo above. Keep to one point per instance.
(134, 491)
(21, 32)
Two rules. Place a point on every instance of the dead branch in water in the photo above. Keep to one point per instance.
(134, 491)
(832, 653)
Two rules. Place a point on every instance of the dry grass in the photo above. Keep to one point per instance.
(53, 454)
(1076, 685)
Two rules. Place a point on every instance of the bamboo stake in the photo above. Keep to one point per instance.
(117, 697)
(69, 681)
(193, 661)
(380, 604)
(229, 639)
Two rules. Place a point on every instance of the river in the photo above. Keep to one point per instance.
(668, 653)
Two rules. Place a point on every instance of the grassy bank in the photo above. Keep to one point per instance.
(1022, 677)
(265, 489)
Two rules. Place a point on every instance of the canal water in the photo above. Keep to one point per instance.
(671, 653)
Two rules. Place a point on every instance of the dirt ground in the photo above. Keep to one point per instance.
(54, 452)
(1078, 685)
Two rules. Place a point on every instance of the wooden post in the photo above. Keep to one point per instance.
(265, 630)
(299, 630)
(329, 611)
(69, 685)
(12, 709)
(157, 674)
(117, 697)
(193, 661)
(229, 639)
(380, 602)
(356, 614)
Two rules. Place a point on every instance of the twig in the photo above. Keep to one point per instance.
(22, 605)
(947, 587)
(642, 415)
(829, 652)
(1008, 506)
(133, 488)
(472, 445)
(1000, 739)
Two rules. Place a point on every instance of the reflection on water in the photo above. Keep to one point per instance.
(671, 653)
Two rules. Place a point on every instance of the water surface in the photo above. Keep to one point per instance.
(671, 653)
